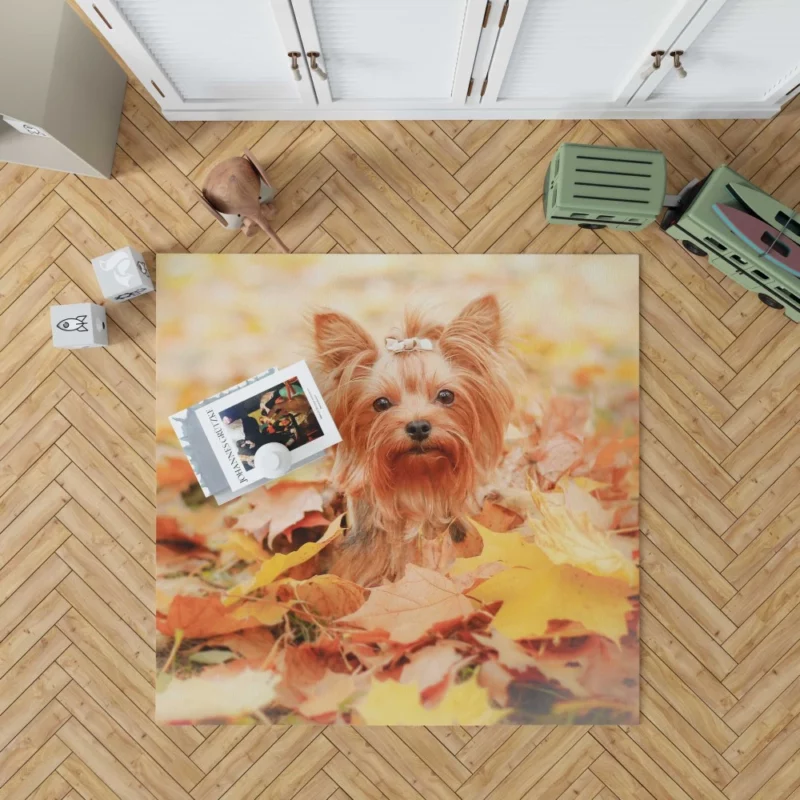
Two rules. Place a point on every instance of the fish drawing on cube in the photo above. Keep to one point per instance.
(79, 325)
(122, 274)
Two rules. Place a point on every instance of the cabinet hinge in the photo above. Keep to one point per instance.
(469, 88)
(503, 15)
(485, 84)
(486, 13)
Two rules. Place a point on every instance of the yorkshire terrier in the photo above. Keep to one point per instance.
(423, 417)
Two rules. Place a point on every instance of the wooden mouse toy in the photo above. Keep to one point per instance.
(238, 195)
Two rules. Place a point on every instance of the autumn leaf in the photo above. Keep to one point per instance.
(407, 609)
(535, 590)
(569, 537)
(244, 546)
(509, 549)
(431, 665)
(267, 610)
(173, 557)
(189, 585)
(279, 507)
(393, 703)
(175, 473)
(331, 695)
(533, 596)
(255, 643)
(311, 519)
(327, 596)
(556, 456)
(566, 414)
(280, 562)
(200, 617)
(225, 699)
(168, 529)
(498, 518)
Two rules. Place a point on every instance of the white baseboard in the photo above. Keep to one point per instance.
(752, 111)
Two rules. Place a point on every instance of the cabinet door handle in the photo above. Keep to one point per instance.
(657, 55)
(295, 66)
(313, 56)
(676, 60)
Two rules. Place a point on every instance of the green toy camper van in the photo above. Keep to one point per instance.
(695, 224)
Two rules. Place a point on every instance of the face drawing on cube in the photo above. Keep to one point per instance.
(280, 414)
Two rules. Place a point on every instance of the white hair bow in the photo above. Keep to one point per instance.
(404, 345)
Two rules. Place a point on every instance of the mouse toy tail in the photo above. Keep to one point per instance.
(265, 225)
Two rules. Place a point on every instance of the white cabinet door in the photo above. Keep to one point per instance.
(207, 54)
(578, 54)
(385, 54)
(734, 51)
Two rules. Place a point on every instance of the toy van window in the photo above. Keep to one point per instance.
(715, 243)
(604, 216)
(759, 274)
(779, 247)
(791, 225)
(793, 297)
(737, 259)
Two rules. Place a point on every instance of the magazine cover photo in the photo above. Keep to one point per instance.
(464, 550)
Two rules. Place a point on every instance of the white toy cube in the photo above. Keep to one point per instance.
(79, 325)
(122, 274)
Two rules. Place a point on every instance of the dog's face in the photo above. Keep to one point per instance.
(420, 427)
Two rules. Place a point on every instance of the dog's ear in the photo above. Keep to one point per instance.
(480, 322)
(340, 340)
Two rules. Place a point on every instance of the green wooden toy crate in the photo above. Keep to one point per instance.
(598, 187)
(696, 225)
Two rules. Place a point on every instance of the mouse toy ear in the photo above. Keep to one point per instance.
(213, 211)
(256, 166)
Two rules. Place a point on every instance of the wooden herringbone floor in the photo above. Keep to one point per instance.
(720, 473)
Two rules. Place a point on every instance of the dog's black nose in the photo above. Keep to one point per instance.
(418, 430)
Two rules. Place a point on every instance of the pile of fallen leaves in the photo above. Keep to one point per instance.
(539, 626)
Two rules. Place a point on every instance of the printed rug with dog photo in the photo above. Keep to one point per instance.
(467, 554)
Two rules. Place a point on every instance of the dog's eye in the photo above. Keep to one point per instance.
(382, 404)
(446, 397)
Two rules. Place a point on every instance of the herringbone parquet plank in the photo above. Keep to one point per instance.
(720, 471)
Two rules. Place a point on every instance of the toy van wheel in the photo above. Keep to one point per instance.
(591, 226)
(769, 301)
(693, 248)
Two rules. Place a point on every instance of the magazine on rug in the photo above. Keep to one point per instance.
(283, 406)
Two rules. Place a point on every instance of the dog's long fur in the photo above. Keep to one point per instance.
(399, 490)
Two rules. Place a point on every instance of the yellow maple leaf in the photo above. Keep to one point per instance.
(280, 562)
(568, 536)
(390, 702)
(534, 589)
(532, 597)
(507, 548)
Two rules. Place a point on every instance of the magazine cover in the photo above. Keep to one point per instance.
(284, 407)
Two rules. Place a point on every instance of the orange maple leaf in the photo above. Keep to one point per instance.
(175, 473)
(200, 617)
